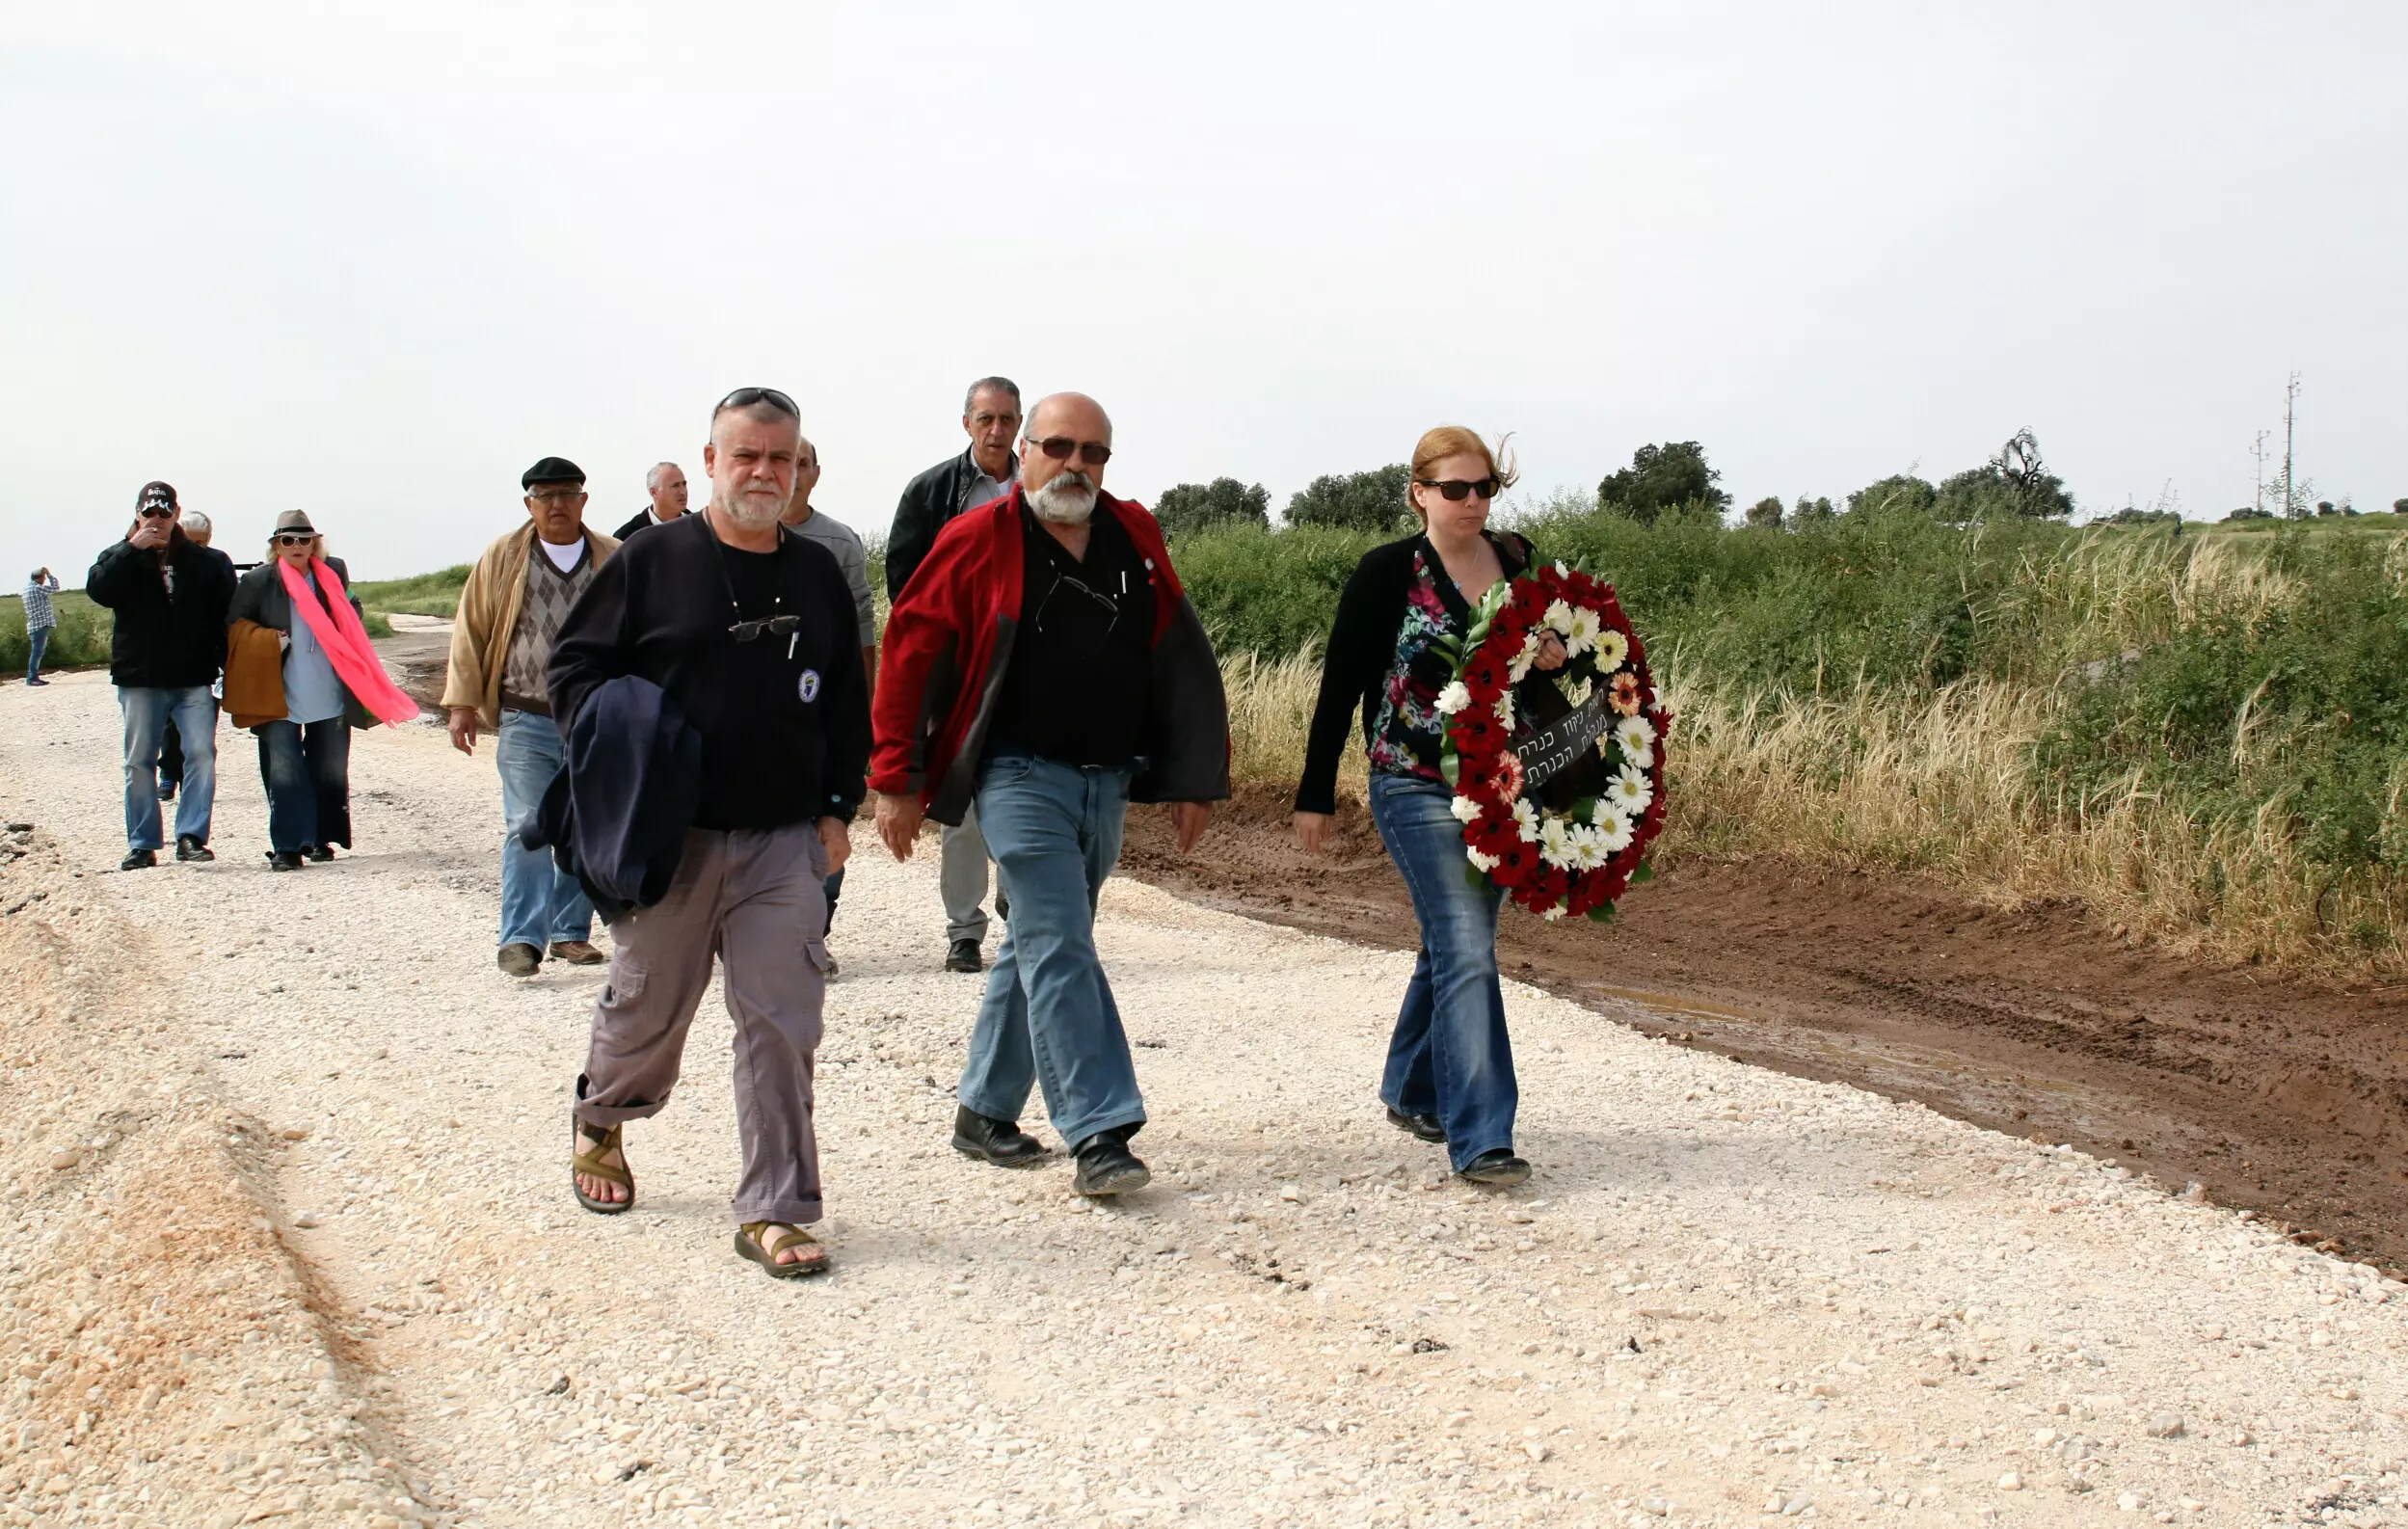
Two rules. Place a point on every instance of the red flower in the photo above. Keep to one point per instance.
(1492, 835)
(1625, 693)
(1546, 888)
(1505, 779)
(1514, 863)
(1475, 731)
(1484, 677)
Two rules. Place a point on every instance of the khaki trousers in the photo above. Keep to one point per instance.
(752, 899)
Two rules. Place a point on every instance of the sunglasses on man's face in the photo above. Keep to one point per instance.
(746, 397)
(775, 626)
(156, 512)
(1094, 453)
(295, 538)
(1456, 490)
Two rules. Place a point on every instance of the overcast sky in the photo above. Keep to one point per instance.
(373, 262)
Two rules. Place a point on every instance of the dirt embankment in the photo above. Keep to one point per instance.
(2282, 1095)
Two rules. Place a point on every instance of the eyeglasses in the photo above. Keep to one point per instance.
(775, 626)
(557, 496)
(746, 397)
(155, 512)
(1456, 490)
(1094, 453)
(1072, 581)
(295, 538)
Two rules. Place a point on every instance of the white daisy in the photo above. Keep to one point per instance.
(1552, 913)
(1526, 818)
(1580, 634)
(1611, 649)
(1636, 736)
(1630, 791)
(1483, 863)
(1555, 843)
(1465, 809)
(1559, 617)
(1523, 659)
(1613, 833)
(1504, 710)
(1452, 698)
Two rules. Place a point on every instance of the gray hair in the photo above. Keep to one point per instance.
(195, 523)
(1002, 385)
(652, 478)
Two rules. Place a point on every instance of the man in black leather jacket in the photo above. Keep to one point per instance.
(990, 416)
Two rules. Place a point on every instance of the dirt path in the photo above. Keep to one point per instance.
(2283, 1096)
(1729, 1290)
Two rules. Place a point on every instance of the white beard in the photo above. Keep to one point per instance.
(753, 512)
(1068, 499)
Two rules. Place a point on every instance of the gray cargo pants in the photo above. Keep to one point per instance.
(752, 899)
(961, 877)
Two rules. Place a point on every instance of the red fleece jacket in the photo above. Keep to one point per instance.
(948, 641)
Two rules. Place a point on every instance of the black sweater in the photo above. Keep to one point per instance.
(170, 642)
(784, 718)
(1363, 645)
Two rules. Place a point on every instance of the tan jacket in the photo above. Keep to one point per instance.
(489, 614)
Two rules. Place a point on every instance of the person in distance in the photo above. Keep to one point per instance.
(301, 673)
(665, 485)
(1045, 661)
(990, 416)
(1450, 1073)
(41, 619)
(510, 610)
(749, 629)
(169, 596)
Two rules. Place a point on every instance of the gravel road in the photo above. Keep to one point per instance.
(288, 1239)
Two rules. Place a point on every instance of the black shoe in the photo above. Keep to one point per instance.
(519, 959)
(1003, 906)
(167, 794)
(139, 860)
(321, 853)
(1424, 1126)
(1106, 1167)
(37, 682)
(284, 860)
(1001, 1143)
(963, 957)
(1498, 1167)
(187, 847)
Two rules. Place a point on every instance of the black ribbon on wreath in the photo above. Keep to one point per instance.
(1557, 742)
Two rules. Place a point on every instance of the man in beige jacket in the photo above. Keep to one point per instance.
(510, 610)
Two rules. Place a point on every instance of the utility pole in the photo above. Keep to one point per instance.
(2290, 400)
(2259, 450)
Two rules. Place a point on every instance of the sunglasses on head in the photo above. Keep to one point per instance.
(295, 538)
(1456, 490)
(746, 397)
(775, 626)
(1094, 453)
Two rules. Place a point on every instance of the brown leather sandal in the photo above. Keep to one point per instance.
(591, 1163)
(748, 1242)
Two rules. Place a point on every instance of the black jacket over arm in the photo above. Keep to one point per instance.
(658, 609)
(1362, 646)
(929, 501)
(169, 644)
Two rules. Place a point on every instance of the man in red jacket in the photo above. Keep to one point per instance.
(1044, 661)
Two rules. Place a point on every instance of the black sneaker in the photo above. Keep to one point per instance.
(139, 860)
(284, 860)
(1498, 1167)
(1001, 1143)
(167, 792)
(187, 847)
(1106, 1166)
(519, 959)
(963, 957)
(1424, 1126)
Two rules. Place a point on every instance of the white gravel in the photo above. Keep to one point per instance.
(1727, 1294)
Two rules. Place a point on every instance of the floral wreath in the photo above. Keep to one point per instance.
(1580, 860)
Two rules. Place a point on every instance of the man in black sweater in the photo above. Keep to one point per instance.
(169, 594)
(665, 486)
(750, 631)
(990, 416)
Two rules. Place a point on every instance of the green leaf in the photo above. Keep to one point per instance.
(1642, 876)
(1474, 875)
(1603, 915)
(1452, 767)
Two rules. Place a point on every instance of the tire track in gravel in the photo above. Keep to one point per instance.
(1728, 1291)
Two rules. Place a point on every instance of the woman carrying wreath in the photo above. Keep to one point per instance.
(1450, 1074)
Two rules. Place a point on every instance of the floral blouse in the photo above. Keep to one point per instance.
(1407, 732)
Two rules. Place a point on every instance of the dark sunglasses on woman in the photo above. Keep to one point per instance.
(1456, 490)
(1093, 453)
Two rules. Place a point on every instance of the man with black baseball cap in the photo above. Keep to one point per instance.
(511, 611)
(169, 596)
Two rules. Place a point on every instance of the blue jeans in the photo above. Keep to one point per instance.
(541, 904)
(1048, 1016)
(147, 711)
(1448, 1055)
(308, 767)
(37, 643)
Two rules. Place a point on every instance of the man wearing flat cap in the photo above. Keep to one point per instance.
(511, 611)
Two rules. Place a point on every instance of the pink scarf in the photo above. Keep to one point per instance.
(337, 627)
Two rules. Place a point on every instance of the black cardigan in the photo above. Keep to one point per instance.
(1362, 645)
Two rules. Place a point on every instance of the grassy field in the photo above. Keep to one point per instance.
(2203, 736)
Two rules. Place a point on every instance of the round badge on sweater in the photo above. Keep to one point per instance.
(808, 687)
